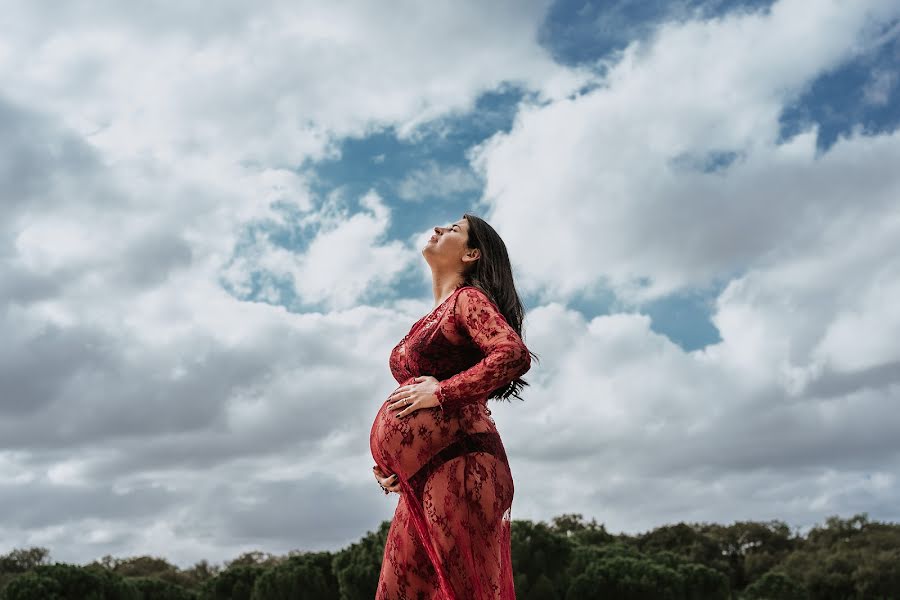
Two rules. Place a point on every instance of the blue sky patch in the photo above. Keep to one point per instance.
(860, 93)
(579, 32)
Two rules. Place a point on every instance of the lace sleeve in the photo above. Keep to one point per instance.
(505, 355)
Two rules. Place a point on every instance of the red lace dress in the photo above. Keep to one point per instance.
(450, 535)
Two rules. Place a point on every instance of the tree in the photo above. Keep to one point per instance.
(33, 587)
(626, 578)
(324, 561)
(234, 583)
(144, 566)
(358, 566)
(750, 548)
(837, 531)
(539, 550)
(703, 583)
(296, 579)
(685, 540)
(254, 558)
(878, 575)
(24, 560)
(573, 527)
(200, 573)
(775, 585)
(151, 588)
(75, 583)
(542, 590)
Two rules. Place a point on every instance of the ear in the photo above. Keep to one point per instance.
(472, 255)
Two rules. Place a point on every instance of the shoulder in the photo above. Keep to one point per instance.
(469, 295)
(470, 299)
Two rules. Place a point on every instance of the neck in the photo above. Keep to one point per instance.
(443, 284)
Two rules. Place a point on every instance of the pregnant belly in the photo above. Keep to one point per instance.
(402, 445)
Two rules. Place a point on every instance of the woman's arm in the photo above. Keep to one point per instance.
(505, 355)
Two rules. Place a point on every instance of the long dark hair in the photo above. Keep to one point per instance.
(492, 274)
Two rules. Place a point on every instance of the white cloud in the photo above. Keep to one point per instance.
(272, 83)
(639, 432)
(436, 181)
(608, 162)
(791, 415)
(346, 260)
(140, 147)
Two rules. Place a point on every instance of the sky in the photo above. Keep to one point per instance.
(212, 231)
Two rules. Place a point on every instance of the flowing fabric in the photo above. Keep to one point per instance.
(450, 535)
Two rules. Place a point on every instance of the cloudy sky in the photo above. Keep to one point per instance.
(211, 235)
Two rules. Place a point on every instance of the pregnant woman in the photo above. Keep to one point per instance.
(433, 439)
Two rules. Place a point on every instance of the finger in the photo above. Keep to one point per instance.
(399, 390)
(403, 402)
(403, 389)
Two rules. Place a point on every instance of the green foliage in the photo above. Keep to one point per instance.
(234, 583)
(542, 589)
(878, 575)
(32, 586)
(324, 561)
(358, 566)
(690, 542)
(254, 558)
(520, 582)
(70, 582)
(750, 548)
(151, 588)
(743, 551)
(538, 550)
(197, 575)
(775, 586)
(298, 578)
(23, 560)
(585, 556)
(834, 580)
(626, 578)
(837, 531)
(703, 583)
(846, 559)
(576, 530)
(155, 568)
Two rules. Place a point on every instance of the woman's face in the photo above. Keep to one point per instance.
(450, 242)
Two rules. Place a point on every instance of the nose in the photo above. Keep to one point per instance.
(437, 230)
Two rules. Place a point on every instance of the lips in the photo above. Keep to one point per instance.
(432, 238)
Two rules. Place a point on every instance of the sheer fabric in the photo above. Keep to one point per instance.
(450, 535)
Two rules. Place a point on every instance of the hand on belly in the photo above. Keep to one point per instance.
(414, 395)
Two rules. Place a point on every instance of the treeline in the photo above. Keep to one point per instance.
(566, 559)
